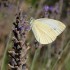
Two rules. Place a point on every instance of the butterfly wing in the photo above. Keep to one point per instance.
(43, 35)
(56, 25)
(45, 31)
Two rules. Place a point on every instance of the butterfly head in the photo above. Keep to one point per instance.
(31, 20)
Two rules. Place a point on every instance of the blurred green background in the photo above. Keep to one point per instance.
(34, 8)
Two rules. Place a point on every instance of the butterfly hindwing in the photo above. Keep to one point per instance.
(43, 36)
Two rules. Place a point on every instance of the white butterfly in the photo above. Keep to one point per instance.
(46, 30)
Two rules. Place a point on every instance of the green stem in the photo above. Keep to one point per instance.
(37, 52)
(5, 57)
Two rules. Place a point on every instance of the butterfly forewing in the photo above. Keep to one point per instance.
(56, 25)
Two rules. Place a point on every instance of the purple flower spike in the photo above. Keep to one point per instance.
(46, 8)
(51, 8)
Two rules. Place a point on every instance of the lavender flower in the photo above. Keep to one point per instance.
(50, 8)
(47, 8)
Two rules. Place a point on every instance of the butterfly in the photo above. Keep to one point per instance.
(46, 30)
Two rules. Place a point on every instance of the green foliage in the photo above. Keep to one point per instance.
(67, 65)
(5, 60)
(50, 2)
(39, 60)
(37, 52)
(30, 58)
(1, 15)
(33, 2)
